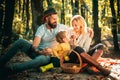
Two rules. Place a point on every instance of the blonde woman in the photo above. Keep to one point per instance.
(81, 35)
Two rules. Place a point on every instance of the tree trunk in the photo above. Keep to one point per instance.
(83, 10)
(9, 14)
(19, 2)
(76, 7)
(103, 11)
(49, 3)
(37, 14)
(97, 30)
(23, 10)
(118, 14)
(72, 4)
(114, 26)
(28, 18)
(1, 20)
(63, 13)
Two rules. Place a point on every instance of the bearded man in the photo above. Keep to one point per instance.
(37, 51)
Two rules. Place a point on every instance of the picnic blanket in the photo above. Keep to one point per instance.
(113, 65)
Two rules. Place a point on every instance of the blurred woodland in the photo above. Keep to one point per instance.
(21, 18)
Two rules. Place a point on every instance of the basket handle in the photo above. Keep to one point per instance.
(79, 57)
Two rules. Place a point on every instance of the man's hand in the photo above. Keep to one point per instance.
(47, 51)
(36, 50)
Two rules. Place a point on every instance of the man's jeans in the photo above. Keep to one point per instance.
(24, 46)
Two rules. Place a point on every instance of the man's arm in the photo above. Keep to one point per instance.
(35, 45)
(36, 41)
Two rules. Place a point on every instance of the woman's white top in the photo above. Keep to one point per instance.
(83, 40)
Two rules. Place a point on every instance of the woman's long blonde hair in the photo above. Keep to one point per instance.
(79, 18)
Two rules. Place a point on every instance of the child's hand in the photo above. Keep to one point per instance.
(73, 37)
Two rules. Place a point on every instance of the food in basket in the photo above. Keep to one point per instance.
(71, 66)
(74, 66)
(66, 58)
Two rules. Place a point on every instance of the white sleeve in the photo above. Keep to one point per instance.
(84, 42)
(87, 42)
(40, 31)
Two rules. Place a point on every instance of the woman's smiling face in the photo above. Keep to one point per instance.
(78, 26)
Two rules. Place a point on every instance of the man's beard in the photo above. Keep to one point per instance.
(52, 25)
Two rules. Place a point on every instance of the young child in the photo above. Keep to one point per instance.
(58, 51)
(63, 47)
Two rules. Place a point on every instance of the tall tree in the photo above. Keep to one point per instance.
(118, 15)
(23, 10)
(9, 13)
(49, 2)
(63, 13)
(37, 14)
(83, 9)
(72, 4)
(103, 11)
(76, 10)
(1, 19)
(97, 30)
(114, 26)
(28, 17)
(75, 7)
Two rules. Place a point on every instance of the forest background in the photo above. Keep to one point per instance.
(21, 18)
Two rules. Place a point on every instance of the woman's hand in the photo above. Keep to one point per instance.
(91, 32)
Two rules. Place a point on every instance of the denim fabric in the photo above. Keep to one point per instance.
(34, 63)
(24, 46)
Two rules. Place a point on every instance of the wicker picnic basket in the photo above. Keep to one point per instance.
(68, 67)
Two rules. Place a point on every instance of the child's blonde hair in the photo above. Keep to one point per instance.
(60, 35)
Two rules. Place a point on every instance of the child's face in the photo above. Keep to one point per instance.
(66, 39)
